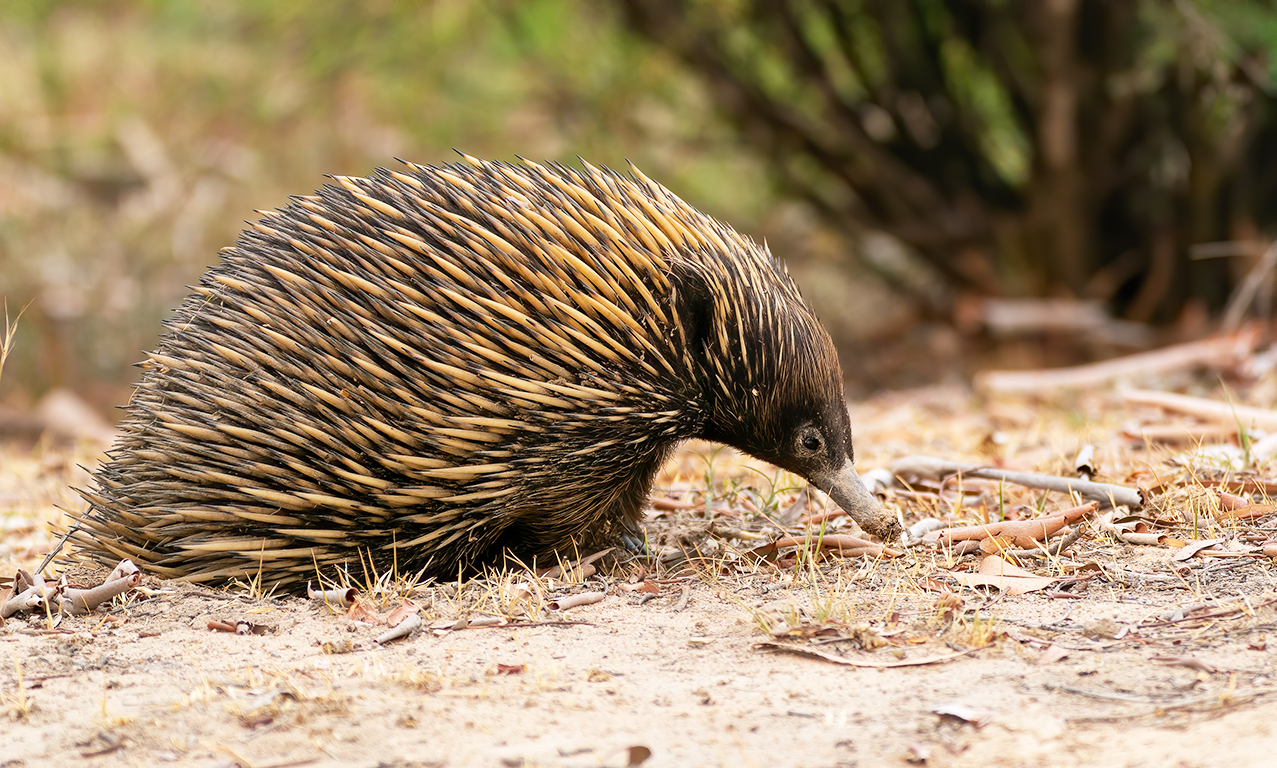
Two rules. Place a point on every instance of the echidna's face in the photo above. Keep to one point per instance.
(812, 432)
(801, 425)
(770, 380)
(793, 415)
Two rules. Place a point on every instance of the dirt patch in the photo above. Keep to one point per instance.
(155, 685)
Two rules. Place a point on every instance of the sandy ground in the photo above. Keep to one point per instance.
(1131, 659)
(155, 685)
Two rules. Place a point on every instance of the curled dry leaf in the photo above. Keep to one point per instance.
(1145, 539)
(524, 590)
(572, 601)
(399, 614)
(360, 612)
(76, 601)
(1193, 547)
(1186, 661)
(1053, 653)
(401, 630)
(1247, 512)
(1024, 533)
(338, 596)
(1228, 501)
(1085, 464)
(997, 544)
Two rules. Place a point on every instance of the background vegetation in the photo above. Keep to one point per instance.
(1073, 148)
(136, 136)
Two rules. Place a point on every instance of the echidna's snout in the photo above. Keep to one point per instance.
(848, 491)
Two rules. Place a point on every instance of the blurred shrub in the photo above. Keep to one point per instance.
(137, 135)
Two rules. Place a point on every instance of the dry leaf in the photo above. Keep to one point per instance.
(1194, 547)
(967, 714)
(399, 614)
(636, 755)
(1009, 578)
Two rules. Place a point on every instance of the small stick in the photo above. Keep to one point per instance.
(1052, 551)
(1105, 493)
(840, 544)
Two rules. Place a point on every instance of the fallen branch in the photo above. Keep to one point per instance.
(1219, 352)
(1212, 410)
(935, 469)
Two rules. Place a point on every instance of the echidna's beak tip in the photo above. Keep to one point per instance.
(848, 491)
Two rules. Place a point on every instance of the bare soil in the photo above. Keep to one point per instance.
(1130, 658)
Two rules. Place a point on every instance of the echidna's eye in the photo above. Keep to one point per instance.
(810, 441)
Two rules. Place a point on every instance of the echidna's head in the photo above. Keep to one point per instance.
(773, 383)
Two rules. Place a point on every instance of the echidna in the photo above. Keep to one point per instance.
(440, 366)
